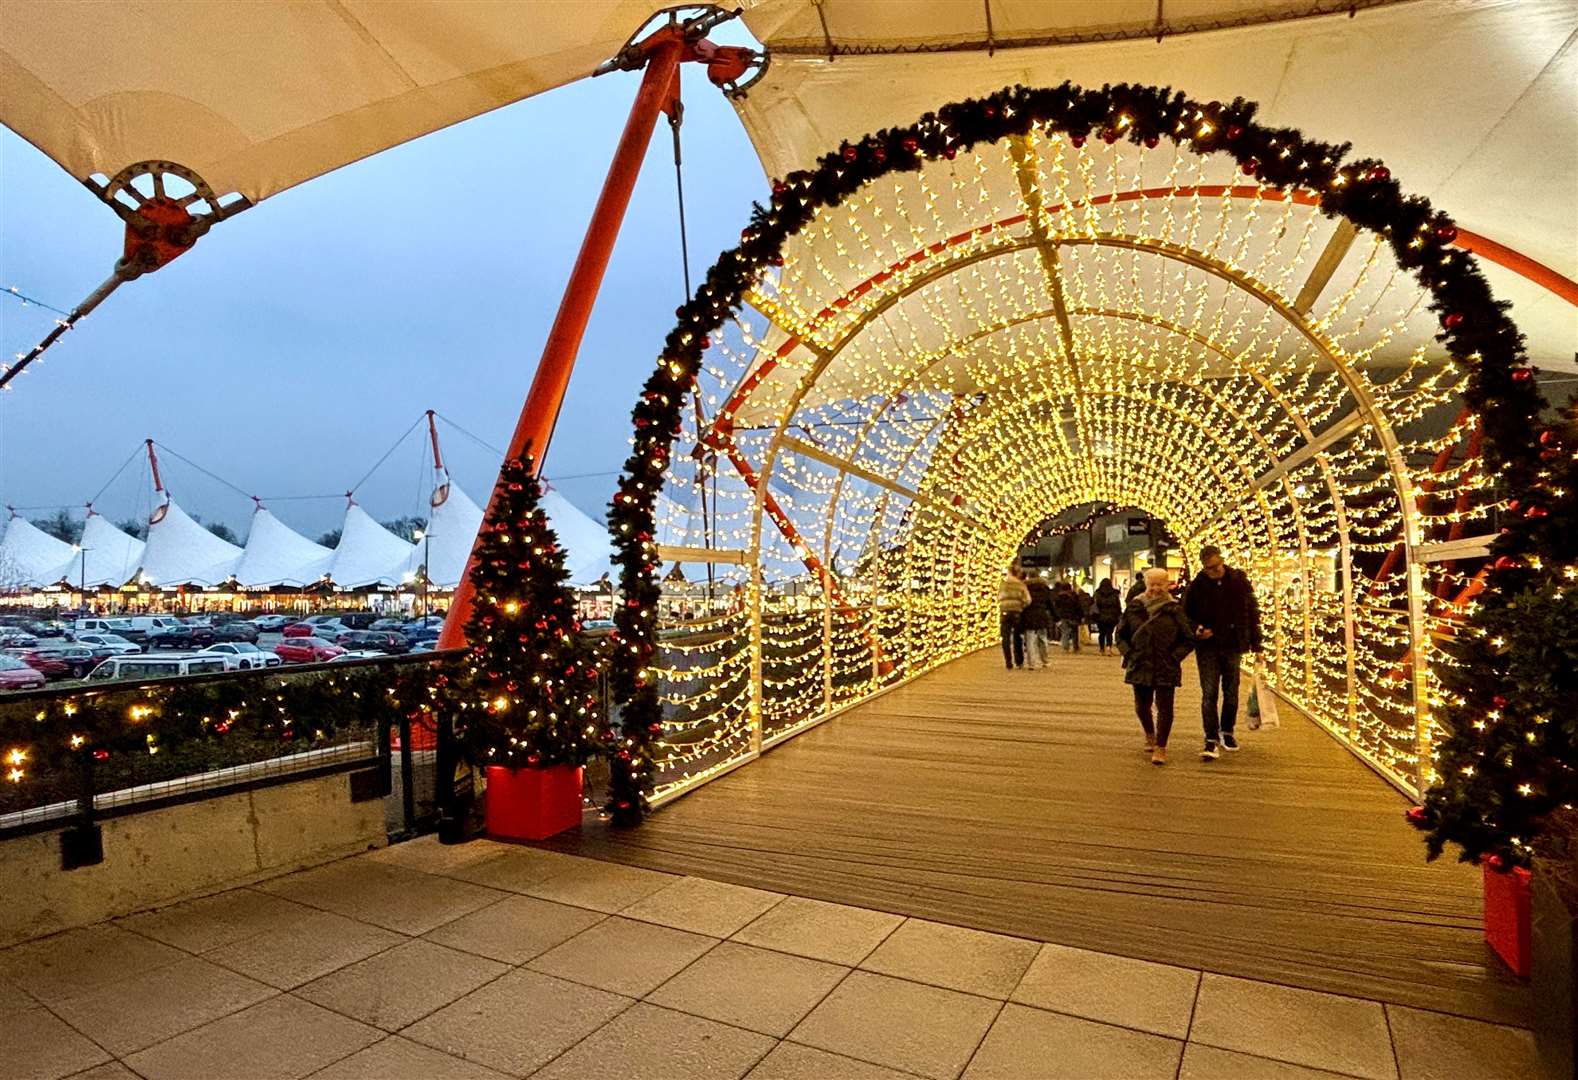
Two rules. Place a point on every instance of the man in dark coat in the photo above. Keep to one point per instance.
(1221, 601)
(1065, 605)
(1036, 622)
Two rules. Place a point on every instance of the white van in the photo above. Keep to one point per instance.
(147, 624)
(103, 626)
(139, 668)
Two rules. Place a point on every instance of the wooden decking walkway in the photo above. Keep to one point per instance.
(1020, 802)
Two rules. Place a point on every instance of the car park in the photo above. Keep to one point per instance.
(180, 637)
(15, 675)
(105, 644)
(242, 656)
(306, 650)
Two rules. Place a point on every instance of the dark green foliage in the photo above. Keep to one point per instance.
(528, 696)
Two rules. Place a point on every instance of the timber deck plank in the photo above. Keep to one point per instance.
(1021, 803)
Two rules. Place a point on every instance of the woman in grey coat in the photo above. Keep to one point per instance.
(1154, 637)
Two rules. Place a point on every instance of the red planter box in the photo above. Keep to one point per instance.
(532, 804)
(1507, 918)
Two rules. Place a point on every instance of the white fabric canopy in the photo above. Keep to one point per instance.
(453, 521)
(368, 554)
(180, 551)
(30, 557)
(276, 555)
(586, 544)
(111, 556)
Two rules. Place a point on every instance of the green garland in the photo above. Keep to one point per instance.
(1518, 449)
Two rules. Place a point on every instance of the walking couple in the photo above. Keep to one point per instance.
(1024, 604)
(1219, 620)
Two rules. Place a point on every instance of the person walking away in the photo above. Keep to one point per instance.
(1087, 604)
(1036, 622)
(1136, 588)
(1154, 636)
(1109, 612)
(1221, 601)
(1012, 597)
(1066, 608)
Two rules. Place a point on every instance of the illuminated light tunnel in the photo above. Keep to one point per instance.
(1132, 299)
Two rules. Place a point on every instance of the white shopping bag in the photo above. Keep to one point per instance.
(1262, 704)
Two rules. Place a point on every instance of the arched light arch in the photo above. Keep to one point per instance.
(948, 352)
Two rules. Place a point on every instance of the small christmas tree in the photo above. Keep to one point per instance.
(530, 693)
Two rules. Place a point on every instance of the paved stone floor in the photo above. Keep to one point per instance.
(487, 960)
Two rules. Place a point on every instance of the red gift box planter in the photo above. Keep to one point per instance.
(532, 804)
(1507, 917)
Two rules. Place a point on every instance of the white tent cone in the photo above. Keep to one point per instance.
(453, 521)
(111, 556)
(276, 554)
(368, 553)
(29, 556)
(587, 547)
(181, 552)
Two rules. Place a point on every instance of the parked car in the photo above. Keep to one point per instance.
(270, 623)
(358, 654)
(198, 620)
(79, 659)
(49, 629)
(306, 650)
(359, 620)
(47, 665)
(107, 644)
(17, 639)
(236, 631)
(326, 628)
(155, 667)
(180, 637)
(147, 624)
(388, 624)
(123, 627)
(381, 641)
(15, 675)
(425, 645)
(242, 655)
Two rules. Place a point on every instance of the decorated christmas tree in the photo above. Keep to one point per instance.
(1509, 771)
(530, 690)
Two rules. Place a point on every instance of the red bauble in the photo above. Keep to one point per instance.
(1508, 562)
(1151, 142)
(654, 729)
(1250, 167)
(910, 144)
(776, 260)
(624, 755)
(879, 155)
(1380, 174)
(1109, 136)
(949, 152)
(1446, 232)
(1234, 131)
(1077, 140)
(850, 153)
(101, 755)
(532, 759)
(1536, 511)
(706, 343)
(1496, 863)
(1499, 701)
(1512, 506)
(778, 187)
(990, 111)
(1522, 374)
(1417, 814)
(1452, 320)
(1550, 437)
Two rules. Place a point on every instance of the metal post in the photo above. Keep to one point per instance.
(659, 91)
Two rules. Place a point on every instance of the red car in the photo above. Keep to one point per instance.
(51, 667)
(15, 675)
(306, 650)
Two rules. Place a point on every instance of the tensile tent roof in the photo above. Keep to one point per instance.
(29, 556)
(277, 555)
(368, 555)
(106, 555)
(180, 552)
(452, 524)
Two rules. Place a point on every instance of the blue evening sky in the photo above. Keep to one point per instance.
(290, 348)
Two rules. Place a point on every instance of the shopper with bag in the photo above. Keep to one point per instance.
(1154, 637)
(1221, 600)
